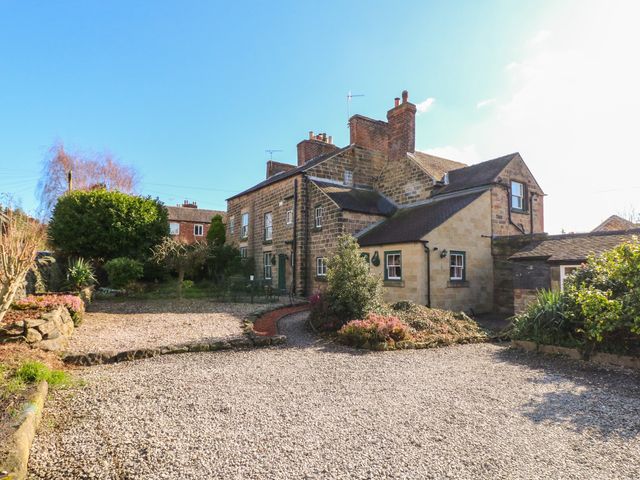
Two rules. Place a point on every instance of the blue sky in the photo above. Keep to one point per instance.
(192, 92)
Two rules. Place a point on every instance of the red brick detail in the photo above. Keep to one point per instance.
(369, 133)
(308, 149)
(277, 167)
(267, 325)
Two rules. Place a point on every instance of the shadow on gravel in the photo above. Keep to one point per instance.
(587, 398)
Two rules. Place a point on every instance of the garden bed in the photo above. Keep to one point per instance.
(405, 325)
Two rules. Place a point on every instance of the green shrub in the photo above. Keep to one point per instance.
(80, 274)
(353, 292)
(217, 233)
(33, 372)
(101, 224)
(547, 320)
(123, 271)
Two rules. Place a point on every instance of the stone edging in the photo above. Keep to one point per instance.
(599, 358)
(14, 465)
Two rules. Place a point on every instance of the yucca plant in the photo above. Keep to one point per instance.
(80, 274)
(547, 320)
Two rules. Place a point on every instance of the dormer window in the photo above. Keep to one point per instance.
(518, 196)
(348, 177)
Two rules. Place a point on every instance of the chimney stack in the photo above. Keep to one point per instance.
(402, 127)
(314, 146)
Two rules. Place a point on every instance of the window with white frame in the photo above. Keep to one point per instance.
(232, 224)
(457, 266)
(319, 212)
(243, 252)
(244, 228)
(198, 230)
(268, 257)
(517, 196)
(268, 226)
(321, 267)
(393, 265)
(348, 177)
(289, 217)
(174, 228)
(565, 271)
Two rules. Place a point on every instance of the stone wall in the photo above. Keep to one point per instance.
(46, 330)
(403, 181)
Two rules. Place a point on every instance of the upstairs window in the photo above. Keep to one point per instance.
(244, 229)
(348, 177)
(268, 226)
(321, 267)
(232, 224)
(393, 265)
(319, 212)
(289, 217)
(517, 196)
(198, 230)
(457, 266)
(174, 228)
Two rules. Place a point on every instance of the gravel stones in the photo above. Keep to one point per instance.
(315, 410)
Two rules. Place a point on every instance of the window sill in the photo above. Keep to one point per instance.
(267, 242)
(393, 283)
(457, 284)
(321, 278)
(520, 212)
(316, 229)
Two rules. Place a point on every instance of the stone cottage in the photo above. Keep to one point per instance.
(425, 223)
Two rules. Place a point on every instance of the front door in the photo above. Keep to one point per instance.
(282, 266)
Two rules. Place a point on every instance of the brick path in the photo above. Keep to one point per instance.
(267, 325)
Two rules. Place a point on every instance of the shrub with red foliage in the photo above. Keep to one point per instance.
(46, 303)
(373, 330)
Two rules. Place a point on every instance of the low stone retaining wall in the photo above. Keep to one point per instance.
(606, 359)
(49, 330)
(15, 449)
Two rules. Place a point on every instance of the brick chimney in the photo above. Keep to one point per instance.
(402, 127)
(188, 204)
(369, 133)
(316, 145)
(277, 167)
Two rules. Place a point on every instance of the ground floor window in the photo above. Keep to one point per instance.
(457, 266)
(268, 257)
(321, 267)
(393, 265)
(243, 252)
(565, 271)
(174, 228)
(198, 230)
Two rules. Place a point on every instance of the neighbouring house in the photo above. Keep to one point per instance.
(544, 261)
(425, 223)
(189, 223)
(615, 223)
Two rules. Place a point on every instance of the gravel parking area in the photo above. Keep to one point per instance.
(119, 326)
(315, 410)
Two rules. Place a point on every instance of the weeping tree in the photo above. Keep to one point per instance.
(185, 259)
(20, 239)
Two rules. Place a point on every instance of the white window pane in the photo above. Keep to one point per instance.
(174, 228)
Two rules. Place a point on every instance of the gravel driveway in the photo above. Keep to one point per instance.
(315, 410)
(119, 326)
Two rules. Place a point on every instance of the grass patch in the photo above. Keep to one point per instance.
(34, 372)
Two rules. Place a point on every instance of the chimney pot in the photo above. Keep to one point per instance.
(330, 140)
(310, 134)
(405, 96)
(396, 101)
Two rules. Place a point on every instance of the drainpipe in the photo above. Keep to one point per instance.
(531, 212)
(306, 235)
(428, 252)
(294, 243)
(520, 229)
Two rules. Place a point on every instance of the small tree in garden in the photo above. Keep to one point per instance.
(20, 239)
(123, 272)
(353, 291)
(80, 274)
(185, 259)
(216, 234)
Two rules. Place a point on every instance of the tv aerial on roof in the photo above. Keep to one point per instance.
(271, 152)
(350, 96)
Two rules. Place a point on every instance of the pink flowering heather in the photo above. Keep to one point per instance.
(48, 302)
(374, 329)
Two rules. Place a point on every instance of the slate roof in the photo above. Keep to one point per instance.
(411, 224)
(357, 199)
(477, 175)
(186, 214)
(290, 173)
(615, 222)
(435, 166)
(574, 247)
